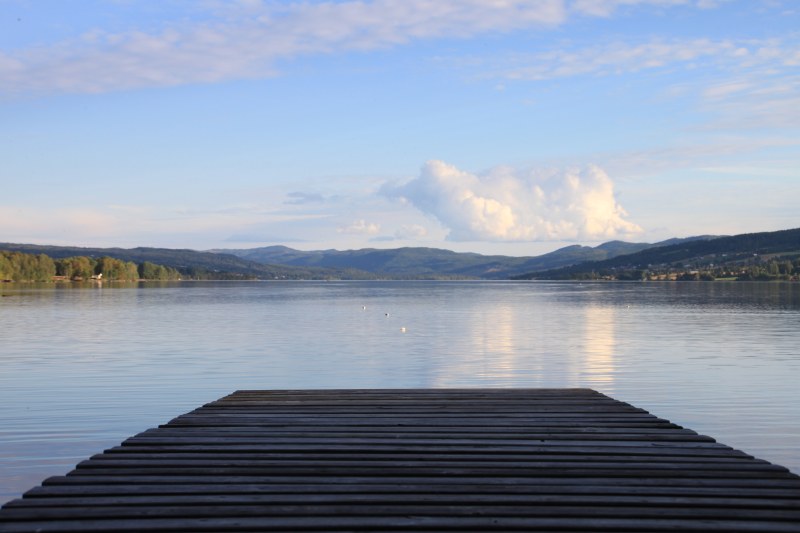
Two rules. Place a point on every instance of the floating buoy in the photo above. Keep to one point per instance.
(402, 330)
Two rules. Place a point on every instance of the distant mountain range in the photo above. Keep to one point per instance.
(280, 262)
(435, 262)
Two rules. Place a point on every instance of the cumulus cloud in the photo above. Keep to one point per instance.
(359, 227)
(245, 40)
(510, 205)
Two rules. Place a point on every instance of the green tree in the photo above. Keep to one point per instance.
(131, 271)
(5, 267)
(111, 268)
(148, 270)
(42, 268)
(75, 268)
(18, 266)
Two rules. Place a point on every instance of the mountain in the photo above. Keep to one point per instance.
(685, 254)
(434, 262)
(280, 262)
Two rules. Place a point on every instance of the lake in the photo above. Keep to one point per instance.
(84, 367)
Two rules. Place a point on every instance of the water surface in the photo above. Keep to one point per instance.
(82, 368)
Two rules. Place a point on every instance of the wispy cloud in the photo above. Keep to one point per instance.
(759, 99)
(736, 83)
(261, 238)
(506, 204)
(302, 198)
(360, 227)
(410, 232)
(620, 57)
(699, 155)
(137, 224)
(247, 39)
(604, 8)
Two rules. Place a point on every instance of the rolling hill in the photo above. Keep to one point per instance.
(280, 262)
(686, 255)
(433, 262)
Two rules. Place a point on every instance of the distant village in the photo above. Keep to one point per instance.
(757, 268)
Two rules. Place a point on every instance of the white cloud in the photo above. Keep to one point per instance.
(726, 89)
(605, 8)
(302, 198)
(244, 42)
(621, 57)
(246, 39)
(410, 232)
(360, 227)
(748, 83)
(509, 205)
(760, 98)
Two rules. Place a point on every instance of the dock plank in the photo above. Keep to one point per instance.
(415, 460)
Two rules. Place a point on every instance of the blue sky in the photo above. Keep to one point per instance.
(492, 126)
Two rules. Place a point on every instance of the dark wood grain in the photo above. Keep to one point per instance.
(415, 460)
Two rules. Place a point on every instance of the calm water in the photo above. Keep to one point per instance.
(83, 368)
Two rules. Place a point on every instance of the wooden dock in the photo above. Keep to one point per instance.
(415, 460)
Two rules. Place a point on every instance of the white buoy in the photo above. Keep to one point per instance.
(402, 330)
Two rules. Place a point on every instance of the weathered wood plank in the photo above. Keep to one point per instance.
(565, 512)
(60, 487)
(723, 483)
(117, 460)
(375, 441)
(404, 523)
(437, 470)
(221, 452)
(316, 497)
(411, 432)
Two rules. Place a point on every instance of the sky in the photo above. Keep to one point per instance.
(492, 126)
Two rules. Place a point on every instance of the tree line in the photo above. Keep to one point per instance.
(19, 266)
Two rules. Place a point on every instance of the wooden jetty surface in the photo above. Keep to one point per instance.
(415, 460)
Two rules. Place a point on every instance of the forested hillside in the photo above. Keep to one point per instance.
(766, 255)
(189, 263)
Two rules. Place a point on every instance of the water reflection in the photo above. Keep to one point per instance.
(489, 351)
(531, 343)
(492, 336)
(101, 364)
(598, 354)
